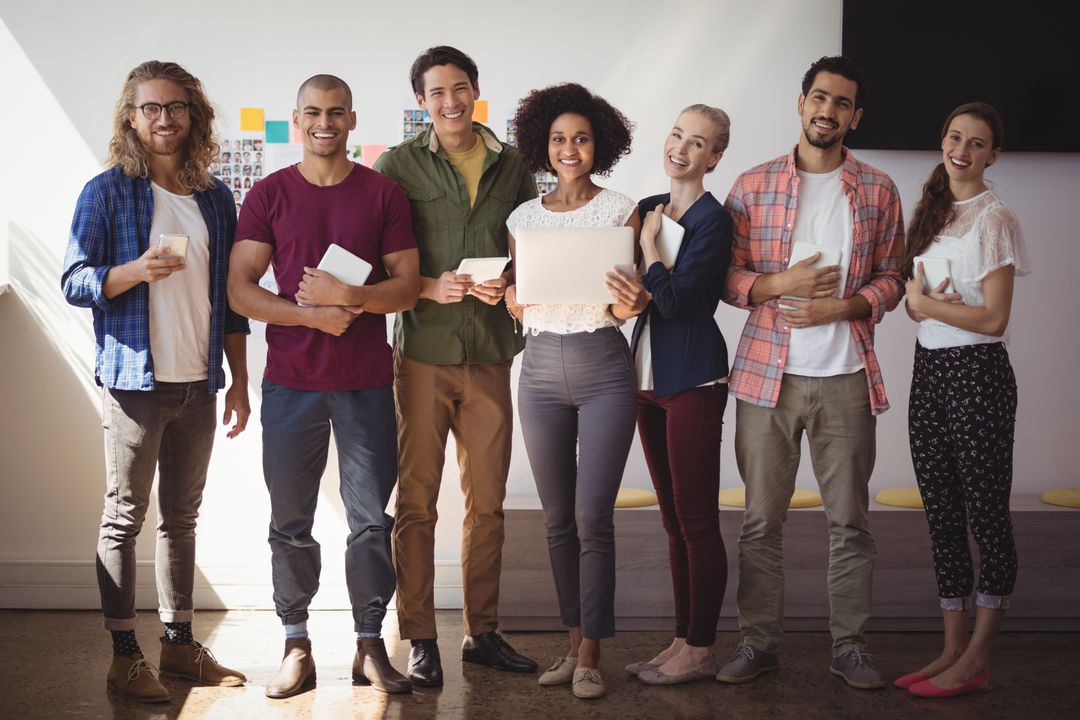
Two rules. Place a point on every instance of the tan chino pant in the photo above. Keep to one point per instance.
(835, 414)
(472, 401)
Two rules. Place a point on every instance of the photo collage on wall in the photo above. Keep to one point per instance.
(240, 165)
(545, 181)
(414, 122)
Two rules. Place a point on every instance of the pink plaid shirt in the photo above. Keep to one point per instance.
(762, 204)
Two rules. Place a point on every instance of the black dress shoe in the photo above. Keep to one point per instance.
(425, 665)
(492, 650)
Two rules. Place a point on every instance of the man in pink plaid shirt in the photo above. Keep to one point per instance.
(806, 362)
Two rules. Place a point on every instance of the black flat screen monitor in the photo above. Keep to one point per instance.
(923, 58)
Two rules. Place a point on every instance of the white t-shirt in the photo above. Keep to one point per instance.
(983, 237)
(823, 217)
(180, 304)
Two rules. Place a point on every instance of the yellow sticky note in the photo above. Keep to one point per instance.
(479, 112)
(251, 119)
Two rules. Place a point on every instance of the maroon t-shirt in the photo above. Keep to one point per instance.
(368, 215)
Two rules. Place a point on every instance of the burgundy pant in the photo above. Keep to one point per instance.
(681, 438)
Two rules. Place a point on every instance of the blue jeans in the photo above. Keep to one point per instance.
(296, 439)
(170, 429)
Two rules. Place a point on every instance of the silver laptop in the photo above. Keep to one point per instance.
(567, 265)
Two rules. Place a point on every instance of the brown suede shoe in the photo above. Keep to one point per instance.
(194, 661)
(297, 671)
(134, 677)
(371, 666)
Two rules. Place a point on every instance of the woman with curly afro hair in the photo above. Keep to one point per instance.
(577, 389)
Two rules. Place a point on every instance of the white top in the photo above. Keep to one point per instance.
(823, 217)
(607, 209)
(180, 304)
(984, 237)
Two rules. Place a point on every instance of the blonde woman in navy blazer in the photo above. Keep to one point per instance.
(682, 366)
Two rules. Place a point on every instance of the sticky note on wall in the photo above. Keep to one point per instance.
(371, 153)
(277, 131)
(251, 119)
(480, 111)
(294, 134)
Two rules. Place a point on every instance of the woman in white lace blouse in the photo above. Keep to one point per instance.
(962, 412)
(576, 394)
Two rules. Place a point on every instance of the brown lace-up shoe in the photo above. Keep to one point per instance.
(131, 675)
(194, 661)
(297, 671)
(371, 666)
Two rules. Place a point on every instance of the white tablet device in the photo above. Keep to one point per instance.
(174, 245)
(669, 240)
(800, 250)
(482, 269)
(347, 267)
(568, 265)
(935, 271)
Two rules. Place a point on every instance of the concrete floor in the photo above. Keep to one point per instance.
(54, 664)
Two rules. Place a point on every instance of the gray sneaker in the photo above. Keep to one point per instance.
(857, 669)
(748, 663)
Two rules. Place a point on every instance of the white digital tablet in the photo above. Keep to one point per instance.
(556, 266)
(800, 250)
(347, 267)
(935, 271)
(669, 240)
(482, 269)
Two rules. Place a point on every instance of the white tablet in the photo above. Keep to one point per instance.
(669, 240)
(482, 269)
(347, 267)
(800, 250)
(556, 266)
(935, 271)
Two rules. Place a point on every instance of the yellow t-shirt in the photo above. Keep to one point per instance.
(471, 165)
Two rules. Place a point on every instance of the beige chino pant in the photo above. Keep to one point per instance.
(835, 414)
(473, 402)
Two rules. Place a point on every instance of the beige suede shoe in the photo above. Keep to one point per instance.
(588, 683)
(194, 661)
(134, 677)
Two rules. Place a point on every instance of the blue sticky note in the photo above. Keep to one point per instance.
(277, 131)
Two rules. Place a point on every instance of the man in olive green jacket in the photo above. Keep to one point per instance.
(453, 353)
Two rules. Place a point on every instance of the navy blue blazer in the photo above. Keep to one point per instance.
(688, 348)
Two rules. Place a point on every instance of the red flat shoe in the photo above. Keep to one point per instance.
(928, 689)
(910, 679)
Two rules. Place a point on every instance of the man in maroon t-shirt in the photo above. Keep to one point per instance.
(328, 367)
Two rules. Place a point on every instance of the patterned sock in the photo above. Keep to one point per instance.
(124, 643)
(178, 633)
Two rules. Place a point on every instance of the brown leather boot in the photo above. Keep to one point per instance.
(297, 671)
(131, 675)
(371, 666)
(194, 661)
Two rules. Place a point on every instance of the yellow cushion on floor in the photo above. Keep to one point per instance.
(1065, 497)
(903, 497)
(630, 497)
(736, 497)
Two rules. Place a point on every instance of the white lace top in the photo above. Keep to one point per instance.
(607, 209)
(984, 237)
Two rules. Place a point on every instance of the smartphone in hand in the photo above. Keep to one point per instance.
(173, 245)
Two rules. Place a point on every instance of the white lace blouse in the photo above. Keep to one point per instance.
(607, 209)
(984, 237)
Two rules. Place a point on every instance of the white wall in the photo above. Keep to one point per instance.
(62, 64)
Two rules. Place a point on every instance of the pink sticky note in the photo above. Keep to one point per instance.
(294, 134)
(371, 153)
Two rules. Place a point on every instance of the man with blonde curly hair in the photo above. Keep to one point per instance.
(148, 254)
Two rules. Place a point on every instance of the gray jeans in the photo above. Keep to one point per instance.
(170, 428)
(577, 402)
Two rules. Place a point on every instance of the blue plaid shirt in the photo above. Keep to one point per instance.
(112, 227)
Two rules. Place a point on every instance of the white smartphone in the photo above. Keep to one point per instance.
(482, 269)
(174, 245)
(800, 250)
(935, 271)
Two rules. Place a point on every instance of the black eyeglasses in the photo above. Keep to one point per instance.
(175, 109)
